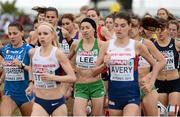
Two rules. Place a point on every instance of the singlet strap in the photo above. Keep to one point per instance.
(79, 45)
(96, 45)
(53, 52)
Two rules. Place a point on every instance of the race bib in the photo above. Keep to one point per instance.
(13, 73)
(169, 55)
(43, 84)
(122, 73)
(86, 62)
(122, 70)
(169, 64)
(86, 59)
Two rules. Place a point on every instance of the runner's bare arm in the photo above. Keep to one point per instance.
(155, 53)
(100, 64)
(143, 51)
(29, 89)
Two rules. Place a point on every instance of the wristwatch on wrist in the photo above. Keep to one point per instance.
(22, 65)
(31, 81)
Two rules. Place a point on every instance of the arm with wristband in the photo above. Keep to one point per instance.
(30, 88)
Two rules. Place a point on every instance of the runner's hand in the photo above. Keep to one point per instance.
(147, 88)
(29, 90)
(46, 76)
(145, 83)
(16, 62)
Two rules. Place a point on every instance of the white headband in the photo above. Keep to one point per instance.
(47, 27)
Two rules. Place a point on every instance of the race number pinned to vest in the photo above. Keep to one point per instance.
(13, 73)
(39, 83)
(169, 55)
(122, 70)
(86, 59)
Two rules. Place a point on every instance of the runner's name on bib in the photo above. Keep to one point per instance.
(86, 62)
(43, 84)
(14, 74)
(122, 73)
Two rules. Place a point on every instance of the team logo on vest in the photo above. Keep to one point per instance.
(7, 51)
(130, 62)
(170, 46)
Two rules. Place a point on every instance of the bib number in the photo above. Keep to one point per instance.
(43, 84)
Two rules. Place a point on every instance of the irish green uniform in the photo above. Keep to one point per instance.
(87, 60)
(143, 64)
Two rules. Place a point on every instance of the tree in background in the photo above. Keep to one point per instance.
(9, 13)
(8, 7)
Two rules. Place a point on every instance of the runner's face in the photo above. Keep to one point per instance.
(162, 14)
(41, 18)
(135, 22)
(67, 24)
(44, 35)
(92, 14)
(15, 35)
(134, 32)
(51, 18)
(101, 23)
(162, 33)
(109, 23)
(148, 33)
(87, 30)
(121, 28)
(172, 29)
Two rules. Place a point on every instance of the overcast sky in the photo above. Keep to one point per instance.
(72, 5)
(151, 6)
